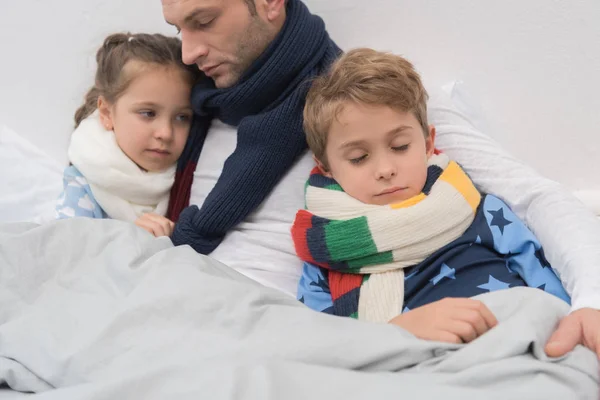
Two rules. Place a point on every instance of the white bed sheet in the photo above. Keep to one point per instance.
(31, 180)
(8, 394)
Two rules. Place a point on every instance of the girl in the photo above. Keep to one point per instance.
(129, 133)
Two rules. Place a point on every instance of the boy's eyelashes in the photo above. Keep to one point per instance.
(400, 148)
(358, 160)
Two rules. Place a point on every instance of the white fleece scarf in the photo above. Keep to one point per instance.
(123, 190)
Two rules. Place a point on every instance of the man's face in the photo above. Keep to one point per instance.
(222, 37)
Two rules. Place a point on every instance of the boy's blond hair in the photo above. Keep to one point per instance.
(367, 77)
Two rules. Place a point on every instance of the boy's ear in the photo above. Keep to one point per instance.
(430, 141)
(324, 171)
(104, 109)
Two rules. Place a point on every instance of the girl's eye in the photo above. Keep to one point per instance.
(147, 113)
(358, 160)
(183, 118)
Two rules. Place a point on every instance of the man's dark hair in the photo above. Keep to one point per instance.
(251, 7)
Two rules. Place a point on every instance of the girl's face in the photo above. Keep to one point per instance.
(151, 119)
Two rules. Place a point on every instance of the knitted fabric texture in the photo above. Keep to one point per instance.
(266, 106)
(366, 247)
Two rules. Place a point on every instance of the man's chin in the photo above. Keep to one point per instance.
(225, 81)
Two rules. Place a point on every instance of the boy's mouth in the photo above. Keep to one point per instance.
(391, 190)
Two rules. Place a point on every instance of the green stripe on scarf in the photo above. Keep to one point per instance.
(334, 186)
(340, 248)
(373, 259)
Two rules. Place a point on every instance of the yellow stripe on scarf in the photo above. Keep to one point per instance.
(456, 177)
(409, 202)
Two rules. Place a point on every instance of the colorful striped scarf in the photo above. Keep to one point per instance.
(366, 247)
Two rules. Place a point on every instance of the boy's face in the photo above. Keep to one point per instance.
(378, 155)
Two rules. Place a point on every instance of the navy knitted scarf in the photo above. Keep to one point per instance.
(266, 105)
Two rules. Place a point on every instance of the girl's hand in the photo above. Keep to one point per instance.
(156, 224)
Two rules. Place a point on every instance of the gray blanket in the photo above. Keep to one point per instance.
(93, 309)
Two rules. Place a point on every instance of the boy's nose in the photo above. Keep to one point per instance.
(386, 174)
(386, 170)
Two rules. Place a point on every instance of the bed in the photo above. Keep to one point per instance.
(112, 312)
(100, 309)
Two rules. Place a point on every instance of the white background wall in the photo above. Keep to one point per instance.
(532, 65)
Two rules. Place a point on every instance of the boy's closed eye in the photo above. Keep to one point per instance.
(401, 148)
(358, 160)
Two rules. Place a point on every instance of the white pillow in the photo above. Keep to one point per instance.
(30, 180)
(591, 198)
(456, 94)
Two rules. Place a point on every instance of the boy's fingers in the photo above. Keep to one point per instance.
(464, 330)
(482, 309)
(446, 337)
(476, 320)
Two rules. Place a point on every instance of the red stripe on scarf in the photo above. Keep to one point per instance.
(302, 224)
(341, 283)
(315, 171)
(180, 192)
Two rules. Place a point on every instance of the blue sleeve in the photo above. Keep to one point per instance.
(523, 251)
(76, 199)
(313, 289)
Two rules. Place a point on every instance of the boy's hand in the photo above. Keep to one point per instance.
(156, 224)
(579, 327)
(451, 320)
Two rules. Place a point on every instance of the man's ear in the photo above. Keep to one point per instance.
(430, 141)
(273, 9)
(322, 168)
(104, 109)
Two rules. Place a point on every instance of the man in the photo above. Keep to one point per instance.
(257, 54)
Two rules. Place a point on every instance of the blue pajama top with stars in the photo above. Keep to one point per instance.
(496, 252)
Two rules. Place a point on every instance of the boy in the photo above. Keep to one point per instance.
(392, 228)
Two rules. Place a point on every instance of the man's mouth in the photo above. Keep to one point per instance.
(208, 70)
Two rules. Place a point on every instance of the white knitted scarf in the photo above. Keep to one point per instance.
(123, 190)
